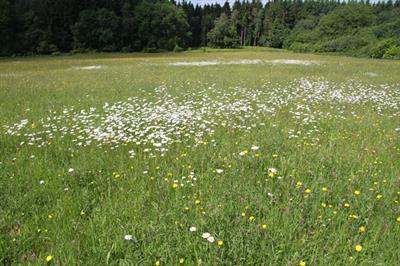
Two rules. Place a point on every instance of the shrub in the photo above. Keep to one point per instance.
(350, 43)
(392, 53)
(178, 49)
(381, 47)
(302, 47)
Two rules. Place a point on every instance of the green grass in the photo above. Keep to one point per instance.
(111, 195)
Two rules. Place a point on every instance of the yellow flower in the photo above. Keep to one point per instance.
(323, 205)
(347, 205)
(252, 218)
(197, 202)
(302, 263)
(357, 192)
(307, 190)
(359, 248)
(324, 189)
(175, 185)
(243, 214)
(398, 219)
(362, 229)
(220, 243)
(299, 184)
(49, 258)
(158, 263)
(379, 196)
(50, 216)
(274, 155)
(264, 226)
(271, 174)
(181, 260)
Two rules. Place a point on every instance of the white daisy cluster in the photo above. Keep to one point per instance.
(165, 116)
(189, 180)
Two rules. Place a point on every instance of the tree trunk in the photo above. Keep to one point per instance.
(241, 36)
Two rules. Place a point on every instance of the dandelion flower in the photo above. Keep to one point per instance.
(264, 226)
(357, 192)
(324, 189)
(175, 185)
(307, 191)
(302, 263)
(362, 229)
(379, 196)
(398, 219)
(181, 260)
(49, 258)
(358, 248)
(252, 218)
(158, 263)
(220, 243)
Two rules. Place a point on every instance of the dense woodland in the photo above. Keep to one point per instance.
(57, 26)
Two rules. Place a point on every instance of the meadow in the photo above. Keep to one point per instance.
(224, 157)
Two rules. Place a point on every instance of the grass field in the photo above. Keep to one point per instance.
(235, 157)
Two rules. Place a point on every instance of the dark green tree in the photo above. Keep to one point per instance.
(223, 35)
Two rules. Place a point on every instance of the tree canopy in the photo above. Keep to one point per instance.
(50, 27)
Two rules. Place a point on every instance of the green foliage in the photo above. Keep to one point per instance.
(45, 27)
(302, 47)
(178, 49)
(223, 35)
(276, 35)
(346, 19)
(393, 52)
(350, 43)
(380, 49)
(161, 25)
(5, 27)
(95, 29)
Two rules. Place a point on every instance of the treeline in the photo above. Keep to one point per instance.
(54, 26)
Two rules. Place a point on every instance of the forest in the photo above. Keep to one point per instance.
(363, 29)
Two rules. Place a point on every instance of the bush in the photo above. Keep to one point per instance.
(381, 48)
(154, 50)
(392, 53)
(45, 48)
(178, 49)
(302, 47)
(127, 49)
(351, 43)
